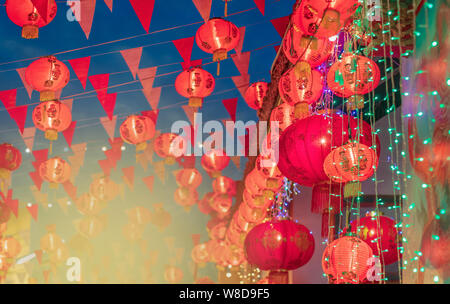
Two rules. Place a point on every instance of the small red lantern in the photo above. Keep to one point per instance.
(353, 75)
(160, 217)
(252, 215)
(256, 201)
(10, 160)
(323, 18)
(382, 228)
(47, 75)
(139, 215)
(217, 232)
(189, 177)
(224, 185)
(24, 14)
(300, 47)
(10, 247)
(284, 114)
(186, 197)
(52, 117)
(279, 245)
(92, 226)
(217, 36)
(133, 232)
(200, 254)
(195, 84)
(221, 203)
(136, 130)
(300, 87)
(214, 161)
(55, 170)
(345, 260)
(169, 146)
(234, 256)
(268, 185)
(254, 96)
(204, 204)
(268, 167)
(173, 274)
(104, 189)
(89, 205)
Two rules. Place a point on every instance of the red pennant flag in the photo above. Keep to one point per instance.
(71, 190)
(116, 143)
(38, 254)
(129, 174)
(68, 103)
(280, 24)
(241, 82)
(149, 182)
(237, 161)
(40, 156)
(100, 84)
(132, 57)
(68, 133)
(261, 5)
(152, 97)
(204, 8)
(84, 11)
(153, 115)
(21, 73)
(8, 98)
(230, 105)
(189, 111)
(33, 209)
(242, 62)
(193, 63)
(105, 164)
(147, 77)
(109, 3)
(19, 115)
(109, 104)
(184, 47)
(238, 48)
(109, 125)
(42, 8)
(144, 11)
(277, 48)
(37, 180)
(28, 137)
(81, 68)
(13, 204)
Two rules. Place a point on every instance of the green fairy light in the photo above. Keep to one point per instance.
(436, 279)
(434, 43)
(435, 237)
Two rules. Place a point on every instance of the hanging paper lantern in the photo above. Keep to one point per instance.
(173, 274)
(55, 170)
(217, 232)
(47, 75)
(217, 36)
(50, 241)
(204, 205)
(221, 203)
(10, 160)
(234, 256)
(380, 233)
(186, 197)
(254, 96)
(252, 215)
(139, 215)
(189, 177)
(345, 260)
(267, 167)
(89, 205)
(169, 146)
(59, 255)
(353, 75)
(284, 114)
(104, 189)
(214, 161)
(52, 117)
(10, 247)
(24, 14)
(199, 254)
(224, 185)
(350, 162)
(434, 247)
(268, 186)
(161, 218)
(279, 245)
(136, 130)
(323, 18)
(195, 84)
(300, 87)
(298, 46)
(91, 226)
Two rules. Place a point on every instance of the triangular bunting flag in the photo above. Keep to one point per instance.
(149, 182)
(129, 175)
(19, 115)
(242, 62)
(100, 84)
(261, 5)
(238, 48)
(144, 11)
(280, 24)
(8, 98)
(37, 180)
(68, 103)
(33, 209)
(152, 95)
(28, 137)
(132, 57)
(160, 170)
(153, 115)
(85, 14)
(62, 202)
(147, 77)
(230, 105)
(189, 111)
(21, 73)
(71, 190)
(184, 47)
(68, 133)
(38, 254)
(236, 161)
(241, 82)
(204, 8)
(105, 164)
(109, 104)
(109, 125)
(81, 68)
(109, 3)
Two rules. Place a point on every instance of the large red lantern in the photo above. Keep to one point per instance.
(214, 161)
(136, 130)
(255, 94)
(217, 36)
(52, 117)
(195, 84)
(380, 233)
(10, 160)
(323, 18)
(300, 47)
(186, 197)
(55, 170)
(224, 185)
(169, 146)
(189, 177)
(24, 14)
(300, 87)
(47, 75)
(279, 245)
(345, 260)
(353, 75)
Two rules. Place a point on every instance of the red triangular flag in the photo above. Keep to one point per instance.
(109, 3)
(19, 115)
(129, 174)
(241, 82)
(149, 182)
(37, 180)
(84, 12)
(109, 125)
(242, 62)
(236, 160)
(38, 254)
(261, 5)
(152, 97)
(144, 11)
(132, 57)
(21, 73)
(28, 137)
(8, 98)
(68, 133)
(68, 103)
(71, 190)
(105, 164)
(184, 47)
(193, 63)
(81, 68)
(33, 209)
(204, 8)
(100, 84)
(280, 24)
(153, 115)
(42, 8)
(109, 104)
(238, 48)
(147, 77)
(40, 156)
(230, 105)
(189, 111)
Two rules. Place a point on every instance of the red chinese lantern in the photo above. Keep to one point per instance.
(195, 84)
(55, 170)
(52, 117)
(169, 146)
(218, 254)
(268, 185)
(279, 245)
(217, 232)
(345, 260)
(10, 247)
(10, 160)
(353, 75)
(186, 197)
(234, 256)
(214, 161)
(139, 215)
(224, 185)
(221, 203)
(267, 167)
(133, 232)
(256, 201)
(300, 87)
(204, 204)
(50, 241)
(173, 274)
(300, 47)
(284, 114)
(189, 177)
(323, 18)
(91, 226)
(59, 255)
(104, 189)
(24, 14)
(136, 130)
(382, 228)
(252, 215)
(47, 75)
(200, 254)
(89, 205)
(217, 36)
(255, 94)
(434, 248)
(160, 217)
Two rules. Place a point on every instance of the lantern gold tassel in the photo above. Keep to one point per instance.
(50, 148)
(352, 189)
(141, 146)
(30, 32)
(195, 102)
(226, 8)
(47, 95)
(169, 161)
(218, 68)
